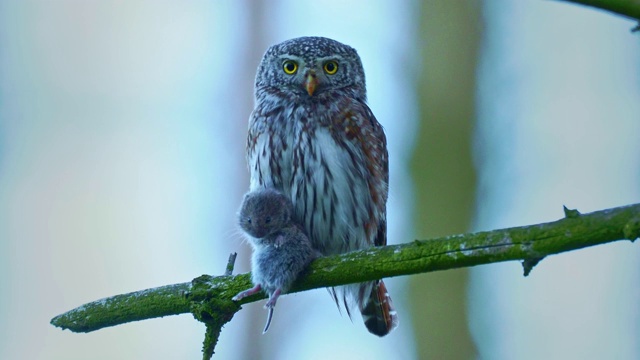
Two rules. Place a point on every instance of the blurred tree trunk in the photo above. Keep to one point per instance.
(442, 167)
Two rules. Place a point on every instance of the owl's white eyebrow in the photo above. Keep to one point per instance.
(290, 57)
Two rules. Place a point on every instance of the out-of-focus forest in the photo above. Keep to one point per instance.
(122, 133)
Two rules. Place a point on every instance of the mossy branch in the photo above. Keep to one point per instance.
(208, 298)
(627, 8)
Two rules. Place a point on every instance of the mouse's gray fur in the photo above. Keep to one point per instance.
(281, 250)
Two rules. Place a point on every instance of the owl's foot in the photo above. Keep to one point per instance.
(248, 292)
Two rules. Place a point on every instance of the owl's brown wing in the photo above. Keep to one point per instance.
(380, 157)
(376, 148)
(357, 125)
(362, 129)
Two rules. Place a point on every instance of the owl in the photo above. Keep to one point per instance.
(313, 137)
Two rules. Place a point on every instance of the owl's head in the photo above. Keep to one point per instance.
(309, 66)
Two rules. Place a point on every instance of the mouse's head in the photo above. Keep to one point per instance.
(264, 212)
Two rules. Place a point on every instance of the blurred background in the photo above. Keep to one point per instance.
(122, 132)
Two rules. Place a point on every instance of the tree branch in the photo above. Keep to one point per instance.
(627, 8)
(208, 298)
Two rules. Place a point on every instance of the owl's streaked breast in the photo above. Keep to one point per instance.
(293, 149)
(330, 197)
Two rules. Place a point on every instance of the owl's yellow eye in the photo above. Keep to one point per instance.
(290, 67)
(330, 67)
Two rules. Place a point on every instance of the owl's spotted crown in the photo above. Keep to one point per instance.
(310, 47)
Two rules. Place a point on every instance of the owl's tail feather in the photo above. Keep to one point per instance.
(377, 310)
(334, 295)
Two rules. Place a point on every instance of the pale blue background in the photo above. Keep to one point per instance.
(122, 127)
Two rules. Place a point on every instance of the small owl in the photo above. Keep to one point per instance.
(313, 137)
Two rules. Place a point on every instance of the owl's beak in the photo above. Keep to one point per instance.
(311, 82)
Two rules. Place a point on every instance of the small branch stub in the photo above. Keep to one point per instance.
(213, 325)
(231, 264)
(528, 264)
(570, 213)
